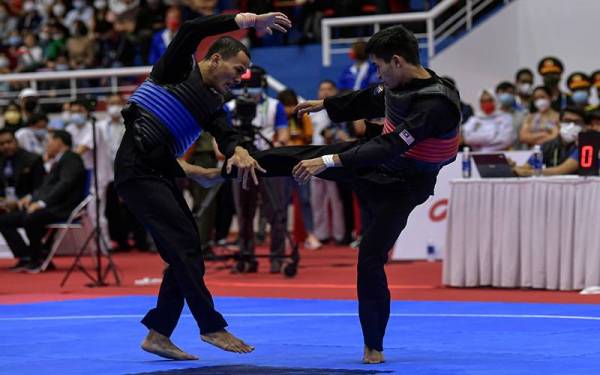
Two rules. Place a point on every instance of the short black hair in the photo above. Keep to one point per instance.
(39, 116)
(396, 40)
(522, 71)
(7, 131)
(574, 110)
(328, 81)
(505, 85)
(544, 89)
(63, 135)
(287, 97)
(227, 47)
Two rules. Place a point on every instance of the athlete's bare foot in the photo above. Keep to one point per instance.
(161, 345)
(372, 356)
(226, 341)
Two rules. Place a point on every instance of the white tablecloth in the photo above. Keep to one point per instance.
(532, 232)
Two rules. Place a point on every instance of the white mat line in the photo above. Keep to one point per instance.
(309, 315)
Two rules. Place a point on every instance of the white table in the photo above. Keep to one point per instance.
(532, 232)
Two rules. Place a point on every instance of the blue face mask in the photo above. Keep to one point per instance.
(506, 99)
(78, 119)
(580, 97)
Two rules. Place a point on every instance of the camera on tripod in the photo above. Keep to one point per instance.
(247, 95)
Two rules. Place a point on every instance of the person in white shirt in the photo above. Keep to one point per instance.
(80, 128)
(325, 193)
(82, 12)
(110, 131)
(489, 129)
(33, 137)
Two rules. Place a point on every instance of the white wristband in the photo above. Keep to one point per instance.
(328, 160)
(245, 20)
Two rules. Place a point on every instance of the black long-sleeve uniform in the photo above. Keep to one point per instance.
(392, 172)
(146, 166)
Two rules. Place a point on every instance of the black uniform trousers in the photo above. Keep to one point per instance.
(391, 200)
(146, 182)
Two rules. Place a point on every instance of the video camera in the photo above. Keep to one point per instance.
(254, 81)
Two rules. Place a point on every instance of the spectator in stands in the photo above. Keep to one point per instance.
(12, 117)
(150, 19)
(80, 46)
(571, 164)
(579, 84)
(60, 192)
(505, 92)
(301, 132)
(466, 110)
(57, 43)
(161, 39)
(30, 20)
(102, 22)
(80, 129)
(33, 136)
(595, 78)
(524, 84)
(361, 73)
(81, 12)
(324, 193)
(4, 69)
(21, 173)
(29, 102)
(551, 70)
(8, 23)
(124, 9)
(117, 48)
(542, 125)
(489, 129)
(59, 10)
(31, 55)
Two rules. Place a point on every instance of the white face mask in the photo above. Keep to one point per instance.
(58, 10)
(569, 131)
(78, 119)
(542, 104)
(100, 4)
(114, 111)
(28, 6)
(525, 88)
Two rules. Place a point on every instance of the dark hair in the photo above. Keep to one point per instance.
(80, 102)
(63, 135)
(227, 47)
(396, 40)
(36, 117)
(328, 81)
(574, 110)
(544, 89)
(7, 131)
(360, 50)
(522, 71)
(505, 85)
(287, 97)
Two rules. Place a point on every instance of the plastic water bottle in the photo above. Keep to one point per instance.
(431, 253)
(466, 162)
(538, 160)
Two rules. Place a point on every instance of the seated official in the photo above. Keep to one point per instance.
(21, 172)
(571, 163)
(60, 192)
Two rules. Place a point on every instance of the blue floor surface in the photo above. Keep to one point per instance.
(102, 336)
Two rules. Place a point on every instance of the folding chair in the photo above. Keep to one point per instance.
(75, 221)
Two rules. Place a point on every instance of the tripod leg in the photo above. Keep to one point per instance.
(77, 260)
(111, 265)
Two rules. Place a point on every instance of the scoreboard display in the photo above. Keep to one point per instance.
(589, 152)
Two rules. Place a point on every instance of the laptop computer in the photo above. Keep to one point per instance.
(493, 166)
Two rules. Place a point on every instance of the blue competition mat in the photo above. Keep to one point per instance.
(102, 336)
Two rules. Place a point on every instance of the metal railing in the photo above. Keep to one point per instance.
(433, 36)
(110, 77)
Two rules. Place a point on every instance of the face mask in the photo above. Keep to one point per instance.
(78, 4)
(44, 36)
(100, 4)
(580, 97)
(15, 40)
(173, 24)
(525, 89)
(4, 62)
(114, 111)
(488, 107)
(62, 67)
(551, 80)
(12, 117)
(40, 133)
(542, 104)
(28, 7)
(569, 131)
(506, 99)
(78, 119)
(58, 10)
(30, 105)
(65, 116)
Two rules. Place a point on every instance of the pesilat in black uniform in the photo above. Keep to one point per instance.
(164, 117)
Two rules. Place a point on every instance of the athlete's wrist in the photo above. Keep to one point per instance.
(245, 20)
